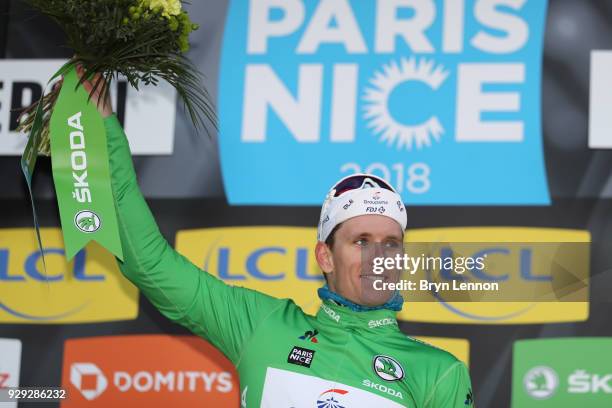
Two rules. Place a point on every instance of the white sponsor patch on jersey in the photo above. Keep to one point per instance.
(284, 388)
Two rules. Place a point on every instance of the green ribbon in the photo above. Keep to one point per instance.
(79, 158)
(28, 163)
(30, 154)
(81, 174)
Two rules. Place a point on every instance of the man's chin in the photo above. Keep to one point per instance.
(373, 297)
(370, 296)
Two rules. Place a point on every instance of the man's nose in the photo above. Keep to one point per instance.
(379, 251)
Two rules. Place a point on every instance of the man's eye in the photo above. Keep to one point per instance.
(361, 242)
(392, 244)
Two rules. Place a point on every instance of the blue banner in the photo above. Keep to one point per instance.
(441, 98)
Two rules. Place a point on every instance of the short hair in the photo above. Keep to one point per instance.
(331, 237)
(330, 243)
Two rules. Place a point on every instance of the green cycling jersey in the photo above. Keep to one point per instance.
(339, 358)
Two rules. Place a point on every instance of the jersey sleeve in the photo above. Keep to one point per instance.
(453, 389)
(223, 314)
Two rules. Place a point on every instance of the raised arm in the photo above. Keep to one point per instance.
(169, 280)
(225, 315)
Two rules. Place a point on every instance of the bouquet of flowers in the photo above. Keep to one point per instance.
(143, 40)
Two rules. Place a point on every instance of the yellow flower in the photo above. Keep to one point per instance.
(168, 7)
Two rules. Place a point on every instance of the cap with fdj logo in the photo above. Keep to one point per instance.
(359, 194)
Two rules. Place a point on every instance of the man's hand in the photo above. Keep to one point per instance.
(104, 106)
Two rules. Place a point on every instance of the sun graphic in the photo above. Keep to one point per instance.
(376, 97)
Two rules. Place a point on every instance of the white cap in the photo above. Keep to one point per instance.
(372, 197)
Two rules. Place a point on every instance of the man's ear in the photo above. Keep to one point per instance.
(324, 257)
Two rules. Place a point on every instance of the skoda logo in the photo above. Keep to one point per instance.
(541, 382)
(388, 368)
(87, 221)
